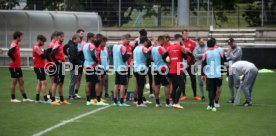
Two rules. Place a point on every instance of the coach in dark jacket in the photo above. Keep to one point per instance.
(75, 61)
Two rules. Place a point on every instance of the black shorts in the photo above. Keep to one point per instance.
(160, 79)
(91, 75)
(16, 72)
(59, 75)
(212, 84)
(121, 77)
(40, 74)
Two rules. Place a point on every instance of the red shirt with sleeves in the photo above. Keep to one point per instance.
(59, 54)
(38, 61)
(129, 49)
(189, 44)
(16, 55)
(176, 58)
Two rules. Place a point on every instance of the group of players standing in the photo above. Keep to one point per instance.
(164, 62)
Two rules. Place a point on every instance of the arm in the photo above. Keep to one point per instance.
(124, 54)
(54, 51)
(48, 53)
(197, 54)
(204, 63)
(65, 48)
(11, 50)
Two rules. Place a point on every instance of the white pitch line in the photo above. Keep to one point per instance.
(69, 121)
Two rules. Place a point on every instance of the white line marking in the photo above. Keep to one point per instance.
(69, 121)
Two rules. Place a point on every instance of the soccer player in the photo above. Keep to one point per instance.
(57, 56)
(90, 62)
(39, 63)
(104, 61)
(76, 62)
(140, 56)
(234, 54)
(144, 33)
(15, 68)
(160, 71)
(211, 71)
(120, 57)
(99, 42)
(129, 49)
(190, 44)
(81, 33)
(249, 72)
(50, 67)
(198, 53)
(176, 54)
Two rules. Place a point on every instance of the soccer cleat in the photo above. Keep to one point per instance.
(214, 109)
(246, 104)
(101, 103)
(177, 106)
(15, 101)
(209, 108)
(115, 104)
(88, 103)
(27, 100)
(158, 105)
(135, 102)
(77, 96)
(147, 102)
(141, 105)
(93, 101)
(217, 105)
(151, 95)
(54, 103)
(230, 101)
(47, 102)
(123, 105)
(64, 102)
(168, 105)
(182, 98)
(196, 98)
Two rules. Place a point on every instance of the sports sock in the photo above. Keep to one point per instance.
(76, 91)
(135, 99)
(37, 97)
(121, 100)
(157, 101)
(61, 98)
(13, 96)
(88, 98)
(115, 100)
(98, 98)
(144, 98)
(24, 95)
(168, 101)
(45, 98)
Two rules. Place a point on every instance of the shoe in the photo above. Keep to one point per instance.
(168, 105)
(115, 104)
(214, 109)
(103, 100)
(15, 101)
(39, 101)
(88, 103)
(196, 98)
(64, 102)
(177, 106)
(54, 103)
(101, 103)
(202, 98)
(77, 96)
(123, 105)
(147, 102)
(135, 102)
(217, 105)
(93, 101)
(48, 96)
(141, 105)
(246, 104)
(158, 105)
(27, 100)
(106, 95)
(151, 95)
(182, 98)
(47, 102)
(230, 101)
(209, 108)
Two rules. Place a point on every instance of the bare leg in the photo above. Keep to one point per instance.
(13, 85)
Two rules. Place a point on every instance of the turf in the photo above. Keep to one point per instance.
(29, 118)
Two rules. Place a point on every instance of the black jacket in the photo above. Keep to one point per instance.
(73, 54)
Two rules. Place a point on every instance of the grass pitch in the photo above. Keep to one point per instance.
(29, 118)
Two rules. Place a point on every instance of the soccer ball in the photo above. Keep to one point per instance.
(168, 59)
(147, 86)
